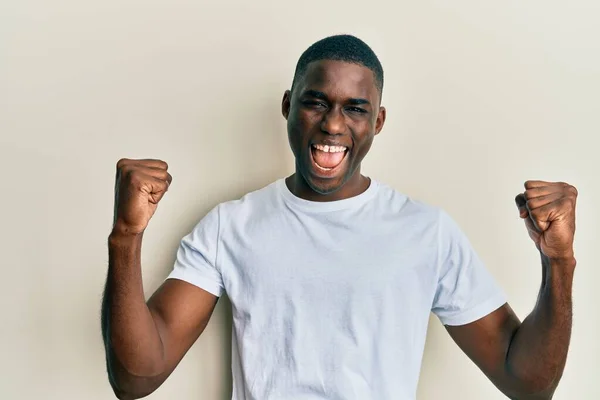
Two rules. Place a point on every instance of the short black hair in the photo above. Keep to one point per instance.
(346, 48)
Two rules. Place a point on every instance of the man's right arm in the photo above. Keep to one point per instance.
(144, 341)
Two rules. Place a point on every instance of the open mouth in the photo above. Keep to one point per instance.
(328, 159)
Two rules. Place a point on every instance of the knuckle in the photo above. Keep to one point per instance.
(563, 201)
(536, 214)
(573, 190)
(572, 202)
(134, 177)
(125, 171)
(163, 175)
(122, 162)
(163, 164)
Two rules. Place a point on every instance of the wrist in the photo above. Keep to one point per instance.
(559, 272)
(566, 261)
(122, 230)
(120, 236)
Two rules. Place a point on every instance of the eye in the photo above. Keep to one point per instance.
(314, 104)
(356, 110)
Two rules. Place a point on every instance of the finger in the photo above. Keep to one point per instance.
(540, 191)
(521, 203)
(541, 201)
(538, 224)
(159, 189)
(129, 170)
(534, 184)
(152, 163)
(155, 187)
(157, 173)
(544, 215)
(161, 174)
(531, 228)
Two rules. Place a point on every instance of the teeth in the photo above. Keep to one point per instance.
(330, 149)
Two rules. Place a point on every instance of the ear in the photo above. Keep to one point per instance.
(380, 120)
(286, 104)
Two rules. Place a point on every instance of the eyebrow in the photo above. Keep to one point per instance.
(320, 95)
(356, 102)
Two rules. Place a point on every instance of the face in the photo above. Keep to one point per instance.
(332, 115)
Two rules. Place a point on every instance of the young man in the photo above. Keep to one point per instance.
(332, 275)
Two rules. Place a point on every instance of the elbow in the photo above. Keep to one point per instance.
(535, 388)
(532, 381)
(121, 395)
(127, 396)
(533, 396)
(541, 392)
(131, 389)
(527, 395)
(127, 386)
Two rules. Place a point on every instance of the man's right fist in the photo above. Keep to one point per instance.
(139, 186)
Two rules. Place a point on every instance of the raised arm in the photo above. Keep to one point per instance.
(144, 341)
(526, 360)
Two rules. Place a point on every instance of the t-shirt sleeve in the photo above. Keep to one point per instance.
(466, 291)
(196, 261)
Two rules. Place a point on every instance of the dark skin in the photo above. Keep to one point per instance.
(144, 341)
(334, 103)
(524, 360)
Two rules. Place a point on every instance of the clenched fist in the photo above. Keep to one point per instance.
(548, 209)
(139, 186)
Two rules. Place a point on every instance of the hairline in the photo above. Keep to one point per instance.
(300, 73)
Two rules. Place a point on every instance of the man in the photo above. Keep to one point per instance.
(332, 275)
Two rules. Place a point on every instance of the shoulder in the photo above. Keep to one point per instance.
(419, 215)
(395, 202)
(238, 211)
(255, 203)
(425, 222)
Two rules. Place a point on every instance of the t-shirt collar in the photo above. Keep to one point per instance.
(323, 206)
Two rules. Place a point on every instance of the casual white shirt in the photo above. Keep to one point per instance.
(331, 300)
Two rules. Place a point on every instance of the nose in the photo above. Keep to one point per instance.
(333, 122)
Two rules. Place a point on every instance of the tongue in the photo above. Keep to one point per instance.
(327, 160)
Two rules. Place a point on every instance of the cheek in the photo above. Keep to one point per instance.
(301, 123)
(362, 143)
(366, 146)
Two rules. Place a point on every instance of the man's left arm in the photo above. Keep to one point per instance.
(526, 360)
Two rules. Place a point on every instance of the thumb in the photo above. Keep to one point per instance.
(155, 189)
(522, 205)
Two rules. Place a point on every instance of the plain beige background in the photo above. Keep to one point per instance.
(481, 96)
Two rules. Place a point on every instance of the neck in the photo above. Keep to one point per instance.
(354, 186)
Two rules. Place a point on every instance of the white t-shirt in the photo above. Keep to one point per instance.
(331, 300)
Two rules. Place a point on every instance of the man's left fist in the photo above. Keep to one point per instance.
(549, 212)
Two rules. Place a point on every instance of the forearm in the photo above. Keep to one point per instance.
(134, 350)
(538, 350)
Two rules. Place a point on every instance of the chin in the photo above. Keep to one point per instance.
(326, 181)
(324, 189)
(324, 186)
